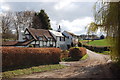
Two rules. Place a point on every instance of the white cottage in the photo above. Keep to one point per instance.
(42, 37)
(60, 39)
(71, 39)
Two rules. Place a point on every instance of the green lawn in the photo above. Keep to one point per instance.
(42, 68)
(102, 42)
(84, 57)
(84, 41)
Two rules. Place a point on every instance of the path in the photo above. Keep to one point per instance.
(95, 66)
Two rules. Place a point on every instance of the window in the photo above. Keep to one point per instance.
(64, 38)
(60, 38)
(40, 38)
(49, 38)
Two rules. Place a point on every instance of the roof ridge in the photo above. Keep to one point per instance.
(38, 29)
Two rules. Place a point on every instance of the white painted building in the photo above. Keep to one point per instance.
(60, 39)
(71, 39)
(41, 37)
(45, 38)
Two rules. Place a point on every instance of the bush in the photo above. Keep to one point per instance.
(77, 53)
(83, 50)
(16, 56)
(64, 54)
(79, 44)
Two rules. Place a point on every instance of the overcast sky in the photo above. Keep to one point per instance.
(71, 16)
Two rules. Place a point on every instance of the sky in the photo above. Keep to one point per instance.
(72, 16)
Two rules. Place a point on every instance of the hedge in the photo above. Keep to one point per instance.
(77, 53)
(16, 56)
(97, 48)
(64, 54)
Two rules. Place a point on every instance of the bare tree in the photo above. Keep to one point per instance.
(22, 20)
(16, 21)
(6, 21)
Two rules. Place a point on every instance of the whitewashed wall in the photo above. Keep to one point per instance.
(68, 41)
(58, 43)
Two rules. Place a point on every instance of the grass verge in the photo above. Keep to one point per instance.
(84, 57)
(11, 74)
(105, 52)
(71, 59)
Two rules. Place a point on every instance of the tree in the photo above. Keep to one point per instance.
(41, 20)
(91, 29)
(22, 20)
(6, 21)
(37, 24)
(107, 14)
(8, 35)
(16, 21)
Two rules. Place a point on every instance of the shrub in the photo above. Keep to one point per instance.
(64, 54)
(77, 53)
(16, 56)
(83, 50)
(79, 44)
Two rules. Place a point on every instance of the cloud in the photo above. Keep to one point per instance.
(62, 4)
(5, 8)
(54, 24)
(76, 26)
(72, 16)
